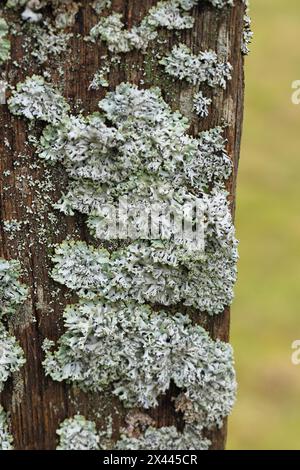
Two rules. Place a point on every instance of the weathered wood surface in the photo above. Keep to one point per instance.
(36, 403)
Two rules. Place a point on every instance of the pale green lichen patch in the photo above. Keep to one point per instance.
(6, 439)
(12, 292)
(165, 438)
(201, 104)
(171, 14)
(196, 69)
(148, 351)
(49, 43)
(11, 356)
(140, 149)
(100, 78)
(100, 5)
(158, 271)
(247, 35)
(77, 434)
(4, 42)
(64, 11)
(35, 99)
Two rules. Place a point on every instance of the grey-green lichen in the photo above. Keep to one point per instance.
(12, 292)
(201, 104)
(35, 99)
(64, 10)
(196, 69)
(171, 14)
(165, 438)
(6, 439)
(4, 42)
(141, 352)
(100, 78)
(247, 35)
(157, 271)
(139, 149)
(100, 5)
(11, 356)
(77, 434)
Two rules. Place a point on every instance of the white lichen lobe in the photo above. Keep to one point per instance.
(6, 439)
(36, 99)
(205, 67)
(77, 434)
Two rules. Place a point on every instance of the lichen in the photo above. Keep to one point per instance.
(165, 438)
(139, 149)
(221, 3)
(247, 35)
(196, 69)
(149, 350)
(64, 10)
(100, 5)
(35, 99)
(158, 271)
(77, 434)
(6, 439)
(11, 356)
(49, 43)
(4, 42)
(201, 104)
(100, 78)
(12, 292)
(171, 14)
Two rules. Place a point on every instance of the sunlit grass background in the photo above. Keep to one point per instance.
(266, 312)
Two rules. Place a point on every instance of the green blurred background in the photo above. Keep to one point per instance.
(266, 312)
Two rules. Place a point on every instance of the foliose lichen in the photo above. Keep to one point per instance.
(205, 67)
(100, 5)
(140, 149)
(77, 433)
(165, 438)
(64, 10)
(6, 439)
(171, 14)
(100, 78)
(148, 351)
(12, 292)
(4, 41)
(35, 99)
(11, 356)
(247, 35)
(201, 104)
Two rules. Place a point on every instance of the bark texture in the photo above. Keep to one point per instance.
(36, 403)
